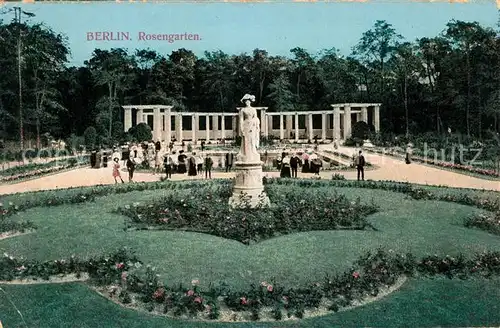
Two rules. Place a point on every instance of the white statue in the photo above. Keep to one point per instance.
(250, 132)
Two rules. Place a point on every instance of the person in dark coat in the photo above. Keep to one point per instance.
(360, 165)
(294, 165)
(208, 167)
(158, 146)
(192, 166)
(130, 169)
(181, 166)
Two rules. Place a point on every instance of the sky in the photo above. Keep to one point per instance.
(241, 27)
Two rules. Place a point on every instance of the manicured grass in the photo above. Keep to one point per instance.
(419, 303)
(404, 225)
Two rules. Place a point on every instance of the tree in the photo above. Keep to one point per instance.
(45, 56)
(281, 96)
(90, 138)
(141, 132)
(113, 69)
(465, 38)
(374, 49)
(405, 66)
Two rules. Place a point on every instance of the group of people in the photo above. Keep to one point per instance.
(289, 164)
(193, 164)
(173, 162)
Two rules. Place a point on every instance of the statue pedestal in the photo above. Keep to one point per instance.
(248, 191)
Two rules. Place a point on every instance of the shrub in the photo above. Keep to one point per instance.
(90, 138)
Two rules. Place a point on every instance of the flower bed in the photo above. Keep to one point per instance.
(444, 164)
(8, 227)
(123, 278)
(207, 211)
(34, 170)
(486, 221)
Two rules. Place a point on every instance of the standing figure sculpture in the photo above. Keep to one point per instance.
(250, 128)
(248, 190)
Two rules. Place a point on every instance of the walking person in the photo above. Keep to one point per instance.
(130, 169)
(360, 165)
(208, 167)
(116, 170)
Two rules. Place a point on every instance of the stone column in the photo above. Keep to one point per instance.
(235, 125)
(269, 125)
(223, 127)
(310, 126)
(282, 132)
(127, 119)
(297, 127)
(364, 114)
(215, 125)
(207, 126)
(157, 124)
(194, 127)
(323, 126)
(347, 122)
(336, 123)
(376, 118)
(178, 127)
(263, 123)
(168, 125)
(138, 117)
(289, 119)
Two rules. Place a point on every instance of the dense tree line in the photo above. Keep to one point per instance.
(429, 84)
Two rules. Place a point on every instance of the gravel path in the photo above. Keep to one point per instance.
(388, 169)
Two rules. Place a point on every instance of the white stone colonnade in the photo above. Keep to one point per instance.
(336, 123)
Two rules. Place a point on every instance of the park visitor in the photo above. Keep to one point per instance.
(168, 163)
(130, 169)
(157, 162)
(305, 162)
(315, 163)
(360, 164)
(208, 167)
(408, 154)
(285, 166)
(192, 165)
(199, 164)
(294, 165)
(116, 170)
(181, 164)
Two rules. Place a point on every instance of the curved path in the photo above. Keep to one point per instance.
(388, 169)
(397, 170)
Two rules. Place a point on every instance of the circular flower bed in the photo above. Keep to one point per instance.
(207, 210)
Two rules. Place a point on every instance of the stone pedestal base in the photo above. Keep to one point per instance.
(248, 191)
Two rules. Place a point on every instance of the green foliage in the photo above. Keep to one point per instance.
(141, 132)
(360, 130)
(90, 138)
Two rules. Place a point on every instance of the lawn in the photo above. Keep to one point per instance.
(404, 225)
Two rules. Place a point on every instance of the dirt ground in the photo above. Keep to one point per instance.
(388, 169)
